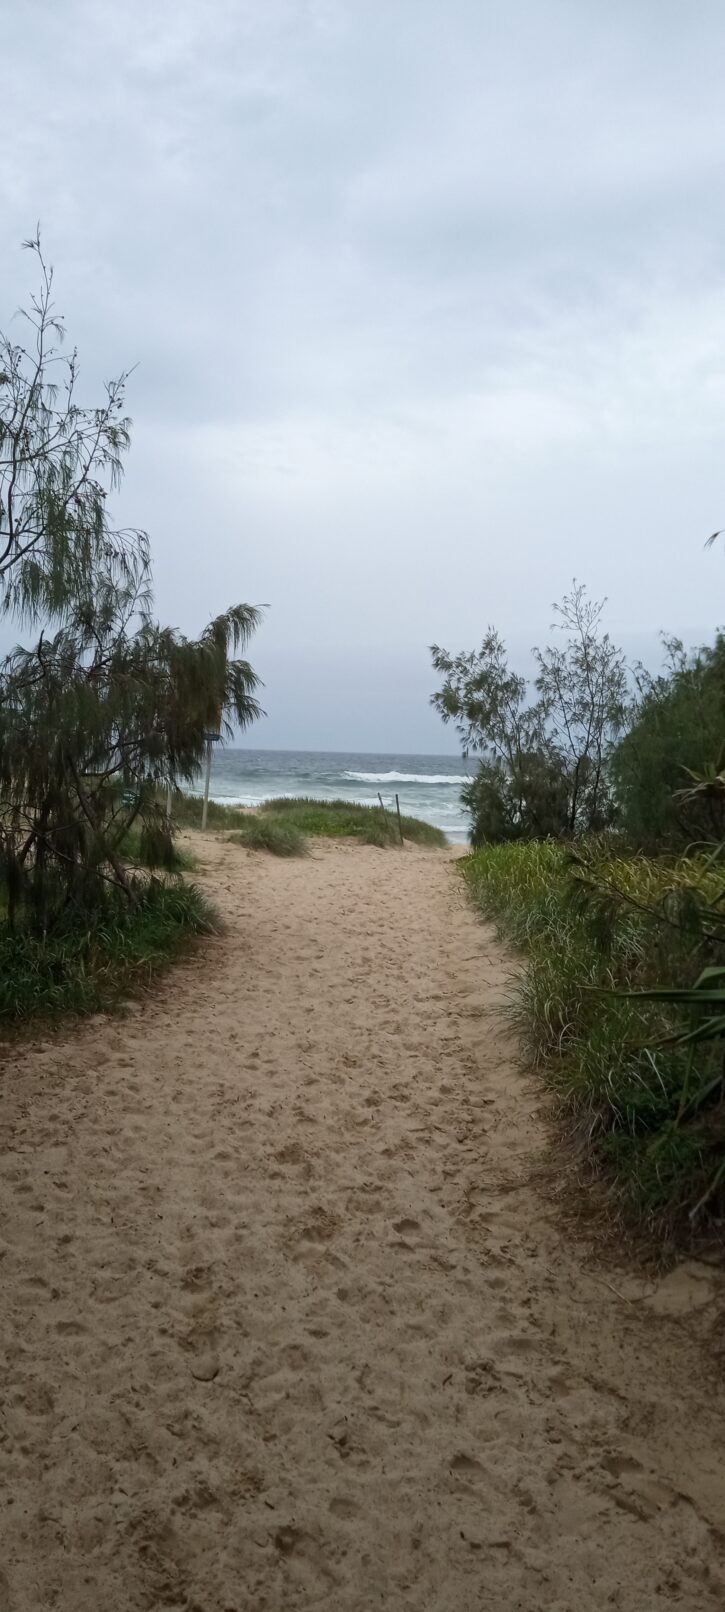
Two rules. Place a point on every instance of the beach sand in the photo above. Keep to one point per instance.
(290, 1318)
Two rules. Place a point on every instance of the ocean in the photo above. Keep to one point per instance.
(428, 786)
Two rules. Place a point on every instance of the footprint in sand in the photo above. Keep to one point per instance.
(305, 1557)
(341, 1506)
(201, 1339)
(466, 1466)
(319, 1227)
(204, 1364)
(406, 1227)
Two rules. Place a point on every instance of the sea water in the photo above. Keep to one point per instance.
(428, 786)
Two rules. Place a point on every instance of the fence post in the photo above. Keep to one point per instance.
(205, 807)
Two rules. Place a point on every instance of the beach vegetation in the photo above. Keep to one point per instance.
(329, 819)
(675, 737)
(94, 966)
(598, 930)
(104, 706)
(275, 835)
(283, 825)
(544, 752)
(186, 811)
(335, 819)
(598, 818)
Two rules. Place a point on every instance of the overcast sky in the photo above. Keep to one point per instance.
(427, 299)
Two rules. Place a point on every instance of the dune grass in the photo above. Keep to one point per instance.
(605, 1054)
(90, 965)
(335, 819)
(187, 810)
(280, 824)
(268, 834)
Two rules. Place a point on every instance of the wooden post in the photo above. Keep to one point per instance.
(211, 739)
(205, 807)
(400, 826)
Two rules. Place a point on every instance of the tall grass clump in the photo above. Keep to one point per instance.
(187, 810)
(89, 965)
(597, 927)
(266, 834)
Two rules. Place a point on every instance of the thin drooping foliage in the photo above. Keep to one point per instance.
(92, 720)
(106, 704)
(544, 761)
(582, 688)
(59, 460)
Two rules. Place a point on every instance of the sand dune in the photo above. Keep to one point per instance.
(287, 1320)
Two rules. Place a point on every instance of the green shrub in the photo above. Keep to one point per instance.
(609, 1056)
(88, 964)
(677, 730)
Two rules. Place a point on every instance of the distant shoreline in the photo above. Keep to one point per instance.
(428, 785)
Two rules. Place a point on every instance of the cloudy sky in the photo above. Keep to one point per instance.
(428, 306)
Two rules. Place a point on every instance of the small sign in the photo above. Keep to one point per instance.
(129, 797)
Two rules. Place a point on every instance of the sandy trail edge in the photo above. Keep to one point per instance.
(285, 1322)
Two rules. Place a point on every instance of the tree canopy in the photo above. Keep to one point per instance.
(106, 703)
(543, 768)
(676, 736)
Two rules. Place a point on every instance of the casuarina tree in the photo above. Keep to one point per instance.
(544, 760)
(106, 703)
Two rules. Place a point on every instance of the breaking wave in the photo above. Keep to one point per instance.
(406, 777)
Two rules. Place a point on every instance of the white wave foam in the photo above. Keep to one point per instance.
(232, 800)
(406, 777)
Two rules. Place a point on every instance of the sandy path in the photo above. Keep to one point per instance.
(287, 1321)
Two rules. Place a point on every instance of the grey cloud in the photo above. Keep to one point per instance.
(427, 303)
